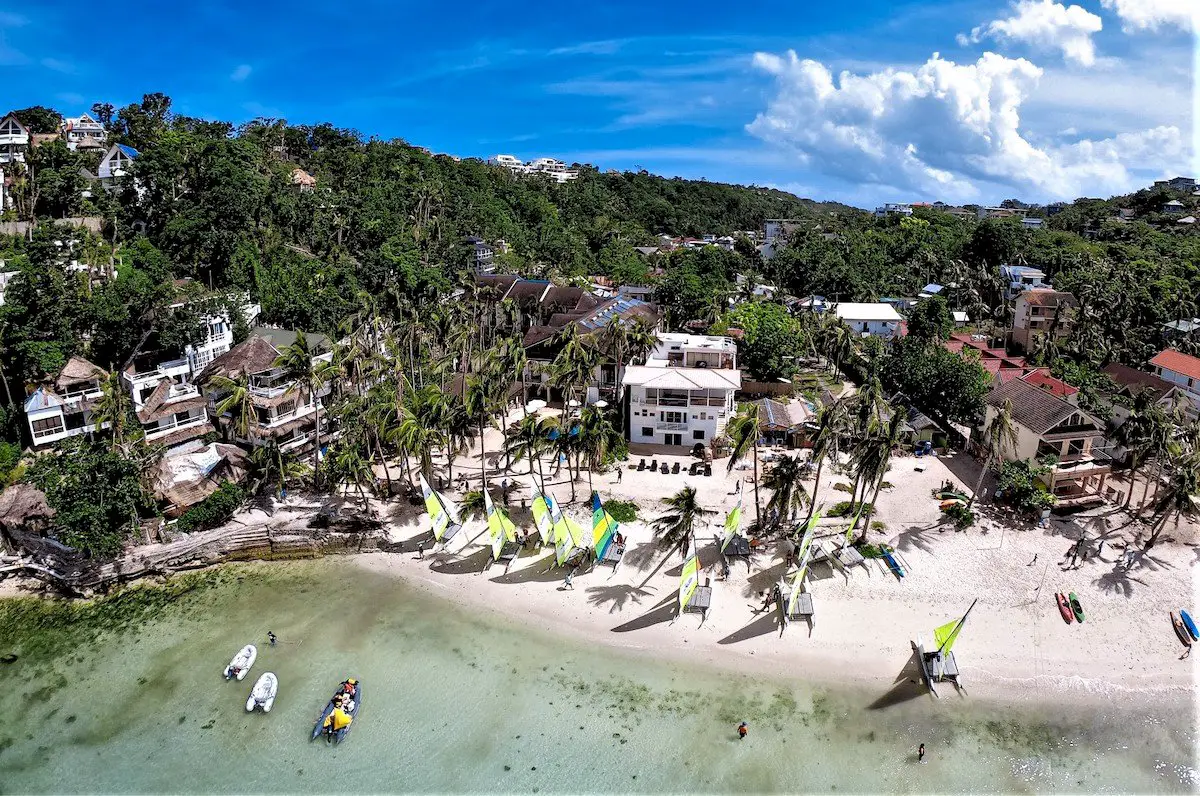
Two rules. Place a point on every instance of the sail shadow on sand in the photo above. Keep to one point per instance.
(759, 627)
(906, 687)
(663, 612)
(619, 595)
(544, 570)
(451, 564)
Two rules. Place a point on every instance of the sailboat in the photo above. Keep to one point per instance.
(568, 538)
(500, 527)
(803, 555)
(733, 520)
(939, 665)
(689, 583)
(443, 515)
(546, 514)
(604, 534)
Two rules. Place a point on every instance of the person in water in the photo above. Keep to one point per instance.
(743, 728)
(271, 638)
(337, 720)
(921, 753)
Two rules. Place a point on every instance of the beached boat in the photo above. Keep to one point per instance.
(341, 734)
(604, 535)
(939, 665)
(692, 596)
(239, 667)
(795, 603)
(893, 564)
(546, 514)
(442, 513)
(263, 693)
(1064, 607)
(1181, 631)
(501, 530)
(1076, 607)
(1189, 624)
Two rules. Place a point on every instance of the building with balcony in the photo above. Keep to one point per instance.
(174, 414)
(64, 408)
(877, 319)
(482, 255)
(84, 132)
(283, 410)
(683, 395)
(1019, 278)
(1040, 312)
(14, 140)
(1182, 371)
(1055, 430)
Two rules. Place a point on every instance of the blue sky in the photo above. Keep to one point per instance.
(1034, 98)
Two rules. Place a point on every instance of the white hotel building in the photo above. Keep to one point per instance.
(683, 395)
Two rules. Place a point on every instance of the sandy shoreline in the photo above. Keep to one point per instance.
(1016, 647)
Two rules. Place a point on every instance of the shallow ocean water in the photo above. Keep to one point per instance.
(460, 703)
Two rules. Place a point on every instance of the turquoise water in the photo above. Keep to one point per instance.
(457, 703)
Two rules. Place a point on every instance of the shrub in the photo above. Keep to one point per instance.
(622, 510)
(846, 509)
(841, 486)
(214, 509)
(873, 550)
(877, 525)
(962, 516)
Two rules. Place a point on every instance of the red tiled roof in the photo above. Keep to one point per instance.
(1041, 378)
(1044, 297)
(1178, 362)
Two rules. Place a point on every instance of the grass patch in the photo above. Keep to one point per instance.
(846, 508)
(874, 550)
(622, 510)
(842, 486)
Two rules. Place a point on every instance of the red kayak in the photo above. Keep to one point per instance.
(1064, 606)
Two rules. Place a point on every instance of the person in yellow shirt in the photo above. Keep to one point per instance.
(337, 720)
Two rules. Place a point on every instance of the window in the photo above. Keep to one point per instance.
(674, 417)
(647, 431)
(698, 434)
(50, 425)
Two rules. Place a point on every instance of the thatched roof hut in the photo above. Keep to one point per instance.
(24, 513)
(78, 370)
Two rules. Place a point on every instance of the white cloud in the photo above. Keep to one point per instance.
(1047, 25)
(241, 73)
(947, 129)
(1151, 15)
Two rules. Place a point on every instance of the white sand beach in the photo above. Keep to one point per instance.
(1016, 645)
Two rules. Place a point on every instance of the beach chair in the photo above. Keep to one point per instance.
(641, 465)
(675, 468)
(665, 468)
(653, 465)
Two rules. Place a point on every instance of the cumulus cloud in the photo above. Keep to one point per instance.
(1152, 15)
(945, 128)
(1046, 25)
(241, 73)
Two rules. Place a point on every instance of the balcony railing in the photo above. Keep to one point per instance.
(153, 432)
(82, 395)
(298, 441)
(269, 392)
(671, 426)
(295, 414)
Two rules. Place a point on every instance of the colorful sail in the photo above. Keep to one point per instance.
(500, 527)
(733, 520)
(604, 528)
(442, 517)
(690, 579)
(854, 522)
(947, 634)
(803, 554)
(546, 514)
(810, 528)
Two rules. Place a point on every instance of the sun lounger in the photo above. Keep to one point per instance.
(803, 610)
(641, 465)
(675, 468)
(653, 465)
(665, 468)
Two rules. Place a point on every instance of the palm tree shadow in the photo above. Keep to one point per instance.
(769, 623)
(664, 611)
(641, 555)
(1118, 581)
(410, 544)
(915, 538)
(619, 595)
(452, 564)
(906, 687)
(763, 580)
(543, 570)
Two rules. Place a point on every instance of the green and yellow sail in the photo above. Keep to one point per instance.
(604, 528)
(443, 519)
(733, 520)
(500, 527)
(567, 537)
(690, 578)
(546, 514)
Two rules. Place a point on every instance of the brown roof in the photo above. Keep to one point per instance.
(180, 496)
(1036, 409)
(21, 503)
(157, 405)
(1134, 381)
(1041, 297)
(252, 355)
(76, 370)
(1178, 362)
(526, 291)
(183, 435)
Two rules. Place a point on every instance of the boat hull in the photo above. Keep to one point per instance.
(1186, 618)
(341, 734)
(244, 660)
(1064, 608)
(1076, 607)
(263, 693)
(1181, 631)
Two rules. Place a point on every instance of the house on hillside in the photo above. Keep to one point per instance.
(1130, 384)
(303, 180)
(14, 140)
(1039, 312)
(64, 407)
(174, 414)
(877, 319)
(684, 394)
(84, 132)
(116, 164)
(1053, 429)
(1019, 278)
(283, 410)
(1183, 371)
(1174, 208)
(482, 255)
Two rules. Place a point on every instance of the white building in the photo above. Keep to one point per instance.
(511, 162)
(552, 168)
(64, 407)
(878, 319)
(1182, 370)
(84, 132)
(894, 209)
(14, 140)
(683, 395)
(6, 278)
(116, 162)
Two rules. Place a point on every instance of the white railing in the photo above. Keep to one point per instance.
(299, 412)
(297, 442)
(671, 426)
(82, 395)
(153, 432)
(269, 392)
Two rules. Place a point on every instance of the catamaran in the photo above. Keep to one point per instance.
(443, 515)
(693, 596)
(604, 535)
(733, 520)
(939, 665)
(546, 514)
(791, 595)
(500, 528)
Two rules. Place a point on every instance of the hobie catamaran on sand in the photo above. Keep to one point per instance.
(938, 665)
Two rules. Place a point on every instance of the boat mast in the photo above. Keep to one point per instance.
(957, 627)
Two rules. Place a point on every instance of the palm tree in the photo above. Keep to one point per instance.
(575, 363)
(597, 437)
(1160, 431)
(1179, 495)
(1000, 433)
(1134, 435)
(418, 432)
(273, 466)
(788, 496)
(743, 434)
(349, 468)
(530, 441)
(114, 408)
(676, 528)
(831, 424)
(873, 459)
(308, 376)
(238, 403)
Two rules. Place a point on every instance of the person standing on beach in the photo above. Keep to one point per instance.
(921, 753)
(570, 576)
(420, 551)
(743, 728)
(620, 473)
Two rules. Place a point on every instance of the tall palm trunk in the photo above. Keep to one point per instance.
(1133, 471)
(757, 502)
(1146, 489)
(387, 474)
(812, 504)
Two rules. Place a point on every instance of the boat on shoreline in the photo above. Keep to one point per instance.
(939, 665)
(239, 667)
(263, 693)
(341, 734)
